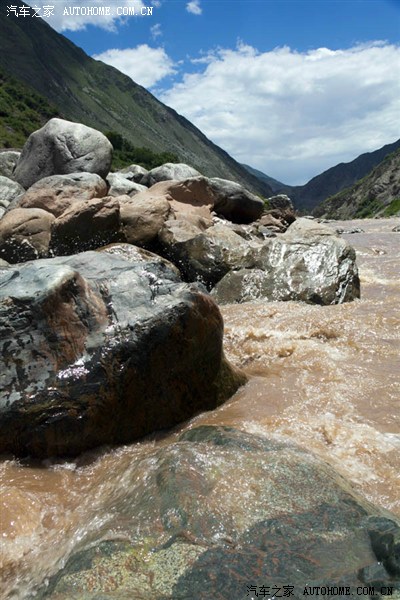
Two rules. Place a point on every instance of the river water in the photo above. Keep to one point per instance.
(325, 377)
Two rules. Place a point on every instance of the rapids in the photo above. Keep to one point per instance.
(325, 377)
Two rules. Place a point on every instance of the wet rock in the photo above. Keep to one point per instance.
(99, 349)
(86, 225)
(59, 192)
(177, 171)
(62, 147)
(142, 217)
(307, 263)
(222, 513)
(204, 256)
(133, 172)
(234, 202)
(120, 185)
(9, 191)
(25, 234)
(8, 160)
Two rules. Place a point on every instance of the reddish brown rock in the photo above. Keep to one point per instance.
(142, 217)
(25, 234)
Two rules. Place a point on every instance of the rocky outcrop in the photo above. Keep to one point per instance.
(8, 160)
(234, 202)
(120, 185)
(98, 349)
(308, 263)
(9, 191)
(222, 514)
(207, 255)
(59, 192)
(25, 234)
(177, 171)
(87, 225)
(62, 147)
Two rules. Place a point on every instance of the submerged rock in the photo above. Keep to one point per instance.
(98, 348)
(222, 514)
(308, 263)
(62, 147)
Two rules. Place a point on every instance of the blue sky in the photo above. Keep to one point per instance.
(291, 87)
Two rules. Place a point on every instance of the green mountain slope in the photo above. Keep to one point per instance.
(98, 95)
(22, 111)
(376, 194)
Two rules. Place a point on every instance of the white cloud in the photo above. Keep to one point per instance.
(155, 31)
(294, 114)
(145, 65)
(62, 20)
(194, 7)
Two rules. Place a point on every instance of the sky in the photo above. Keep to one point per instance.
(290, 87)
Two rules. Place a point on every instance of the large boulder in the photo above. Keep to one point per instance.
(234, 202)
(308, 263)
(9, 191)
(25, 234)
(86, 225)
(177, 171)
(222, 514)
(59, 192)
(120, 185)
(8, 160)
(100, 349)
(207, 255)
(62, 147)
(189, 197)
(142, 217)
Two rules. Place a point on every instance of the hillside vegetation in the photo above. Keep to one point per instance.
(377, 194)
(22, 111)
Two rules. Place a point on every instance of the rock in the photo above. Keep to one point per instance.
(9, 191)
(98, 349)
(120, 185)
(234, 202)
(307, 263)
(62, 147)
(341, 231)
(281, 208)
(4, 264)
(136, 255)
(142, 217)
(25, 234)
(133, 172)
(59, 192)
(87, 225)
(8, 160)
(204, 256)
(192, 196)
(396, 229)
(221, 514)
(177, 171)
(271, 222)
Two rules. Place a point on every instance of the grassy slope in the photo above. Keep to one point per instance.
(98, 95)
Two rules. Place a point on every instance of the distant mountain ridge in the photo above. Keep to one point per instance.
(330, 182)
(90, 92)
(376, 194)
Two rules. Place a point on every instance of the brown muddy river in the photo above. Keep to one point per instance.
(325, 377)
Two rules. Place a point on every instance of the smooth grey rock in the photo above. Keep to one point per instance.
(120, 185)
(133, 172)
(25, 234)
(9, 191)
(8, 160)
(222, 512)
(234, 202)
(308, 263)
(177, 171)
(58, 193)
(204, 256)
(99, 349)
(62, 147)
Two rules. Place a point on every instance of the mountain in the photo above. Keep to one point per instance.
(377, 194)
(277, 186)
(90, 92)
(335, 179)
